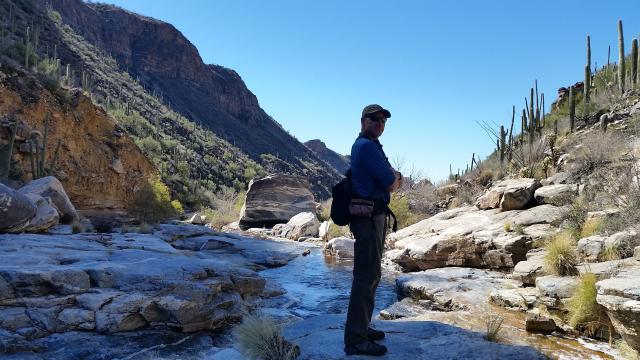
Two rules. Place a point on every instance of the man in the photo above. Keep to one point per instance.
(373, 179)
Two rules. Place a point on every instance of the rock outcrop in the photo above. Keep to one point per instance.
(89, 142)
(275, 199)
(513, 194)
(340, 162)
(111, 283)
(558, 194)
(620, 295)
(593, 248)
(470, 237)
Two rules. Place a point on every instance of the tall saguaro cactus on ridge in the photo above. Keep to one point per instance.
(587, 72)
(634, 61)
(621, 67)
(572, 109)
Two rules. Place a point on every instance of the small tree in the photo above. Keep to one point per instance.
(152, 203)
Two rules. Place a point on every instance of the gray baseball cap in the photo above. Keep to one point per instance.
(374, 108)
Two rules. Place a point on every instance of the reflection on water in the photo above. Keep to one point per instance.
(317, 285)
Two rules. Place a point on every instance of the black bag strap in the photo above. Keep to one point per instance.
(390, 214)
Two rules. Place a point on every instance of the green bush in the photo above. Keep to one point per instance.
(152, 203)
(560, 255)
(335, 231)
(404, 215)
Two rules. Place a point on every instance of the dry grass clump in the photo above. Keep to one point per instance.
(261, 338)
(584, 312)
(227, 204)
(611, 252)
(560, 256)
(494, 325)
(626, 351)
(591, 227)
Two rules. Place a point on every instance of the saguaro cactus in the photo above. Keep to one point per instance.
(621, 67)
(587, 72)
(572, 109)
(26, 49)
(502, 144)
(12, 140)
(634, 61)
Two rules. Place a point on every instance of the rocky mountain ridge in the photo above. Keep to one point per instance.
(169, 66)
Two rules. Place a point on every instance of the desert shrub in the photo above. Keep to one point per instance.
(507, 227)
(325, 213)
(145, 228)
(625, 350)
(152, 203)
(611, 252)
(494, 325)
(591, 227)
(519, 229)
(466, 195)
(400, 206)
(584, 312)
(261, 338)
(76, 227)
(576, 216)
(104, 223)
(596, 152)
(227, 204)
(335, 231)
(560, 255)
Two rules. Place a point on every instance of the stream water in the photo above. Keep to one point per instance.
(317, 285)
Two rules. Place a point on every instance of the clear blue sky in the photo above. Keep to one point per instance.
(439, 66)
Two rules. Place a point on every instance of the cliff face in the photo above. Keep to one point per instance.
(99, 165)
(341, 162)
(162, 59)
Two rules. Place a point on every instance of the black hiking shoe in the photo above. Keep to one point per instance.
(373, 334)
(365, 348)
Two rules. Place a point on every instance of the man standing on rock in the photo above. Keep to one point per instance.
(373, 179)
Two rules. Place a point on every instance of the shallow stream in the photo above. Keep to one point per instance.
(317, 285)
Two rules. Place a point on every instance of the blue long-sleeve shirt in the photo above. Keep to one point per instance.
(371, 173)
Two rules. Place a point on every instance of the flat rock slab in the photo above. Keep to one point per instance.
(113, 283)
(321, 338)
(453, 288)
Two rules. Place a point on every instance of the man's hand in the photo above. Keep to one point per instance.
(397, 183)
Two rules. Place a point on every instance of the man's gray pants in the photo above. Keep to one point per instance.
(369, 234)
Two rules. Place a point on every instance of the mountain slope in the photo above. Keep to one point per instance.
(165, 62)
(340, 162)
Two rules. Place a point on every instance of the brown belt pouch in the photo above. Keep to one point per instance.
(361, 208)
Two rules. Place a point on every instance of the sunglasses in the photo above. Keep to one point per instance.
(378, 119)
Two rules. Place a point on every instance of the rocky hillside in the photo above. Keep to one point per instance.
(168, 66)
(101, 169)
(340, 162)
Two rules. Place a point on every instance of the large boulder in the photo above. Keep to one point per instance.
(340, 247)
(512, 194)
(527, 271)
(275, 199)
(558, 194)
(323, 230)
(50, 187)
(555, 291)
(470, 237)
(303, 224)
(620, 295)
(16, 210)
(46, 214)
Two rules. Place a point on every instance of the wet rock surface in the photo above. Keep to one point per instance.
(405, 339)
